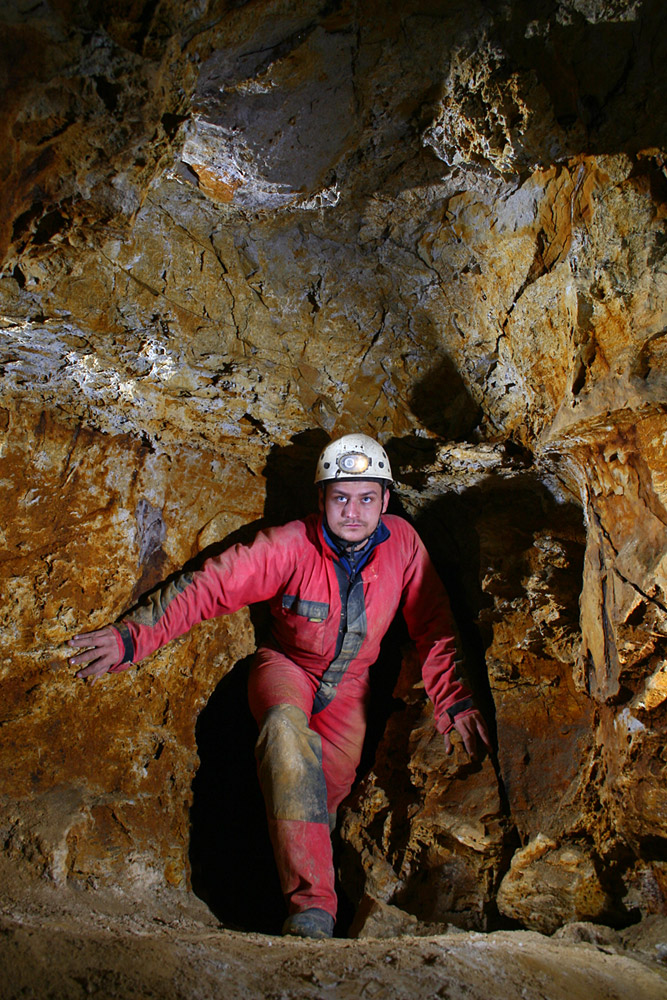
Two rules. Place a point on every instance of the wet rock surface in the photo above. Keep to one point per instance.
(231, 230)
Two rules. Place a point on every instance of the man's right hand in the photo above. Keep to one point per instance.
(100, 653)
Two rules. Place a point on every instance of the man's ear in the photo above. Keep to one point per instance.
(385, 500)
(320, 498)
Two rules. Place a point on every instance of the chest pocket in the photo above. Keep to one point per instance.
(302, 623)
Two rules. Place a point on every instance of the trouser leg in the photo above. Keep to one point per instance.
(342, 727)
(289, 756)
(295, 752)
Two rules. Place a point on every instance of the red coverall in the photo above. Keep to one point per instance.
(308, 685)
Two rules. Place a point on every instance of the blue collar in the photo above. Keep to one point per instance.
(354, 561)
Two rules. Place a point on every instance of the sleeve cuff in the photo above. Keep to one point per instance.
(448, 717)
(125, 649)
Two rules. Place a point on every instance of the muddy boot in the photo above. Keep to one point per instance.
(312, 923)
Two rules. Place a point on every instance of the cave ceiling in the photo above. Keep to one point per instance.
(343, 203)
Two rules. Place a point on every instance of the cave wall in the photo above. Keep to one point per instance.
(232, 229)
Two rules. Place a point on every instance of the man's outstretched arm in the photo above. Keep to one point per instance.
(240, 575)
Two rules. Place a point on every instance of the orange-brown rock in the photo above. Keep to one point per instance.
(425, 830)
(547, 886)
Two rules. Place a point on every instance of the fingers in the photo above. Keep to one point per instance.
(485, 738)
(89, 655)
(479, 731)
(469, 736)
(472, 731)
(89, 639)
(99, 652)
(95, 670)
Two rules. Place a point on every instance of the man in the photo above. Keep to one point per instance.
(334, 582)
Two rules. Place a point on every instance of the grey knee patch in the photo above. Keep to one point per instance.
(289, 758)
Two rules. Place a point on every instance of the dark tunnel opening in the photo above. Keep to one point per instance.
(231, 857)
(230, 852)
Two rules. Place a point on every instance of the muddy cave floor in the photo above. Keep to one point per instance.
(67, 942)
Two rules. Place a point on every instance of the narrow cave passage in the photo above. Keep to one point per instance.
(231, 858)
(231, 231)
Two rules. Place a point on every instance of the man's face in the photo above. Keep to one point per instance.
(353, 509)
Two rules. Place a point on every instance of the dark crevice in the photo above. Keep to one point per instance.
(144, 24)
(49, 225)
(108, 92)
(171, 123)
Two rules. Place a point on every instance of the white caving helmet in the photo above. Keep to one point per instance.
(354, 456)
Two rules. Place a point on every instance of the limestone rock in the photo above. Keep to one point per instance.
(64, 941)
(548, 885)
(375, 919)
(97, 780)
(424, 832)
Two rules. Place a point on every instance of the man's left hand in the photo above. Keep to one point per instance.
(100, 652)
(472, 729)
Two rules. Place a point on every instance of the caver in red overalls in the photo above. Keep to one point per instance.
(331, 605)
(308, 754)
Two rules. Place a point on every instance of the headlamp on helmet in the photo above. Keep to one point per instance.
(354, 463)
(354, 456)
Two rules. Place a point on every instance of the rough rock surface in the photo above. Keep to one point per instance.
(68, 943)
(230, 230)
